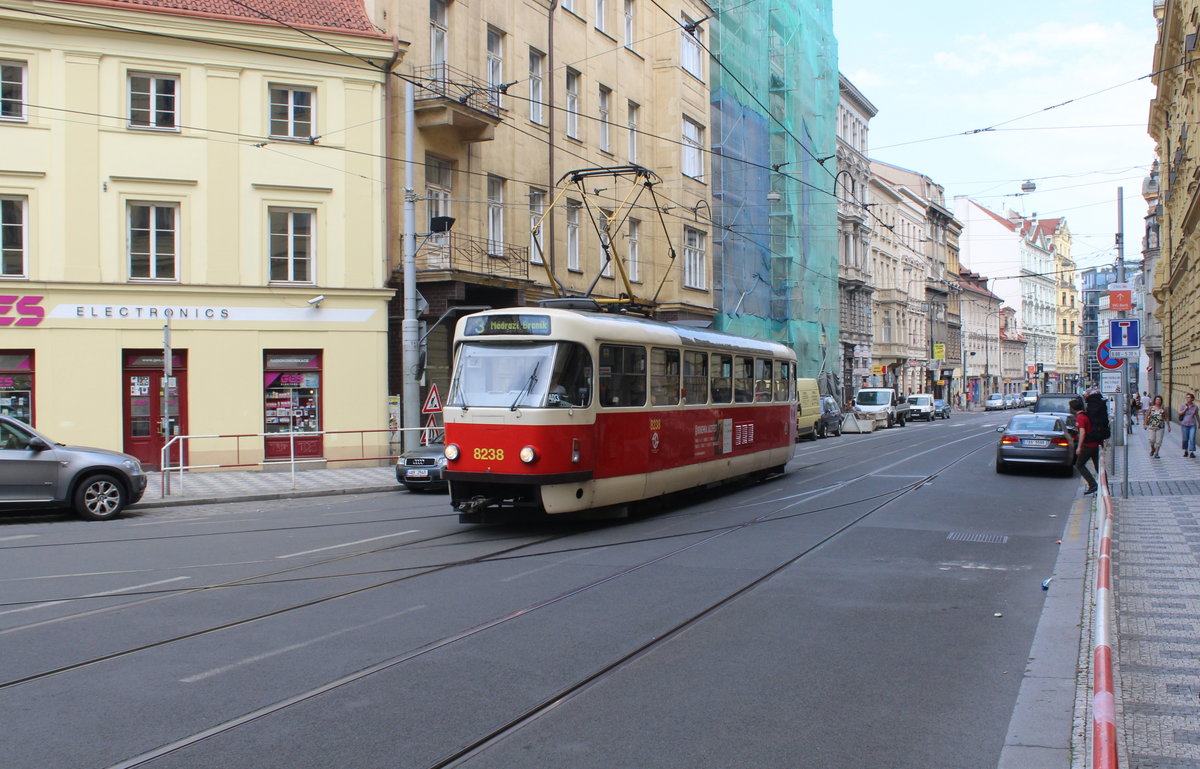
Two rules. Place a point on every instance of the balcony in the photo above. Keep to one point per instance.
(454, 256)
(897, 350)
(451, 102)
(890, 296)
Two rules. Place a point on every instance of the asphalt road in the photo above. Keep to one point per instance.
(874, 607)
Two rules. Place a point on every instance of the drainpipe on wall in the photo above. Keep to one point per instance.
(391, 148)
(549, 252)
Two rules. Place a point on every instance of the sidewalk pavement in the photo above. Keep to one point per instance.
(1156, 571)
(238, 486)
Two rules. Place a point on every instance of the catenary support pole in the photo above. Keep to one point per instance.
(411, 392)
(1123, 401)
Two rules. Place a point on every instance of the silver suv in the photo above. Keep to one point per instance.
(37, 472)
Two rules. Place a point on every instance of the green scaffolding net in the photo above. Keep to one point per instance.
(774, 111)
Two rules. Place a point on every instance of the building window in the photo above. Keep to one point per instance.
(292, 245)
(572, 104)
(570, 5)
(439, 179)
(632, 123)
(691, 55)
(13, 229)
(629, 24)
(632, 255)
(537, 208)
(495, 64)
(537, 65)
(601, 14)
(573, 235)
(693, 142)
(12, 90)
(292, 112)
(153, 241)
(695, 268)
(495, 214)
(438, 32)
(153, 101)
(604, 100)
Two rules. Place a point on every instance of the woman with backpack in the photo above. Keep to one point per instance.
(1188, 421)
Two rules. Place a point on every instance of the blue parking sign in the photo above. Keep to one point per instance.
(1124, 333)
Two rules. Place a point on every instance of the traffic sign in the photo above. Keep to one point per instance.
(433, 402)
(1110, 382)
(1104, 355)
(1120, 297)
(1125, 333)
(1132, 352)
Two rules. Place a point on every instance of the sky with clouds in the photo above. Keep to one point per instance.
(1063, 84)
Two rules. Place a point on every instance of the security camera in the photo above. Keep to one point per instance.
(316, 300)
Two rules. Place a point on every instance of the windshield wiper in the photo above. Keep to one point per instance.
(528, 386)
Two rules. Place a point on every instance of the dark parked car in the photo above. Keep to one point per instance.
(1057, 404)
(1035, 439)
(421, 468)
(36, 472)
(941, 409)
(831, 418)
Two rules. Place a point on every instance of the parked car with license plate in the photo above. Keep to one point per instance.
(920, 406)
(36, 472)
(420, 469)
(1035, 439)
(994, 402)
(941, 408)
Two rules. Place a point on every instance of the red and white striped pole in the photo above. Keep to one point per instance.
(1104, 706)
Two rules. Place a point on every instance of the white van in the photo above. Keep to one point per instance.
(808, 409)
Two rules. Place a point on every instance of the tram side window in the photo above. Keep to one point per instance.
(783, 375)
(622, 375)
(664, 376)
(743, 380)
(763, 381)
(570, 382)
(695, 377)
(722, 378)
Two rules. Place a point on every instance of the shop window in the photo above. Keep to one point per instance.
(292, 403)
(16, 384)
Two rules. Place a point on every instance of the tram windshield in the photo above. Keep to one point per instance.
(521, 375)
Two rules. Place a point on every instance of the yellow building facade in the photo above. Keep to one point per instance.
(206, 181)
(1173, 112)
(512, 97)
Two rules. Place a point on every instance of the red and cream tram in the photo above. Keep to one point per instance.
(558, 411)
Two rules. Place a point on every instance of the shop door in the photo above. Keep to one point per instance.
(144, 411)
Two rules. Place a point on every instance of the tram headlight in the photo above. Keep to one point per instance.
(451, 451)
(528, 455)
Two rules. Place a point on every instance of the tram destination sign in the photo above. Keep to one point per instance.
(500, 325)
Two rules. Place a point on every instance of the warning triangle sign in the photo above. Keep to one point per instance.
(433, 432)
(433, 402)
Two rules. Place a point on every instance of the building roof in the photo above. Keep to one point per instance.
(347, 16)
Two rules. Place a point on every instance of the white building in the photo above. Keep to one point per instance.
(1019, 257)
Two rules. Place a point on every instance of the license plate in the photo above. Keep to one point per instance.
(425, 473)
(1036, 444)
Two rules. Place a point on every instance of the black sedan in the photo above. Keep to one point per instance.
(421, 468)
(1035, 439)
(941, 409)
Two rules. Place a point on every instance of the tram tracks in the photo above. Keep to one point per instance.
(537, 710)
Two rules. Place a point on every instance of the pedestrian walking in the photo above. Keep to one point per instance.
(1156, 421)
(1087, 448)
(1188, 421)
(1135, 406)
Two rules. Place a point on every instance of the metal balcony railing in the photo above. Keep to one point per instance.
(442, 81)
(480, 256)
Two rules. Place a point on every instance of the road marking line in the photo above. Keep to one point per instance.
(348, 544)
(291, 648)
(46, 604)
(19, 536)
(542, 568)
